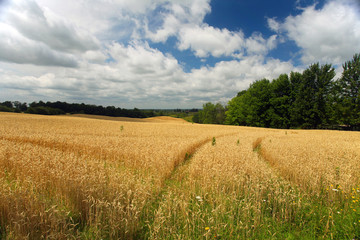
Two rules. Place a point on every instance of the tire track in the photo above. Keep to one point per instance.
(147, 215)
(274, 165)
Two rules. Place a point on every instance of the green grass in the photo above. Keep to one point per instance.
(242, 216)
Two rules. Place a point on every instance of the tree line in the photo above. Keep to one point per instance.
(57, 108)
(312, 99)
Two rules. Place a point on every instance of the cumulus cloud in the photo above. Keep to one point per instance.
(174, 15)
(226, 78)
(42, 25)
(185, 22)
(330, 34)
(140, 76)
(35, 35)
(17, 49)
(256, 44)
(141, 61)
(207, 39)
(273, 24)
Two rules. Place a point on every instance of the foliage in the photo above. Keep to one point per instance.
(5, 109)
(76, 108)
(211, 114)
(349, 92)
(45, 111)
(311, 99)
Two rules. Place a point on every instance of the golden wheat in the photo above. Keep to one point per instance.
(67, 177)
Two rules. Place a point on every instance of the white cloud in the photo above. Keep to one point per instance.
(227, 78)
(138, 76)
(30, 34)
(176, 15)
(42, 25)
(206, 39)
(273, 24)
(17, 49)
(330, 34)
(256, 44)
(140, 61)
(185, 22)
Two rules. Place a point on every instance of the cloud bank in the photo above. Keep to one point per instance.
(101, 52)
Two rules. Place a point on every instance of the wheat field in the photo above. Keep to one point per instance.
(74, 177)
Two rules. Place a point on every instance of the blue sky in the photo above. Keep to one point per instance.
(165, 53)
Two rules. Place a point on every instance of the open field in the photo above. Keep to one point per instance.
(66, 177)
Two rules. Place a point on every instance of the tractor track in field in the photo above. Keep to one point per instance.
(151, 207)
(266, 157)
(148, 212)
(70, 148)
(271, 161)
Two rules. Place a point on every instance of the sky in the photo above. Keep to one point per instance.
(165, 53)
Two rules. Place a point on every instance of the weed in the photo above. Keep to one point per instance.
(257, 145)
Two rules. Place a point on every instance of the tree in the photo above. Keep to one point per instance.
(294, 112)
(251, 107)
(280, 102)
(312, 101)
(237, 110)
(258, 99)
(220, 113)
(20, 107)
(349, 87)
(7, 104)
(211, 114)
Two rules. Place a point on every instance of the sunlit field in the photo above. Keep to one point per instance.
(72, 177)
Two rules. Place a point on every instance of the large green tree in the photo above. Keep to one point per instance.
(295, 81)
(311, 106)
(280, 102)
(252, 107)
(237, 109)
(349, 92)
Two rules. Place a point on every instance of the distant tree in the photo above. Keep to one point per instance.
(5, 108)
(44, 110)
(19, 106)
(196, 118)
(210, 114)
(7, 104)
(220, 113)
